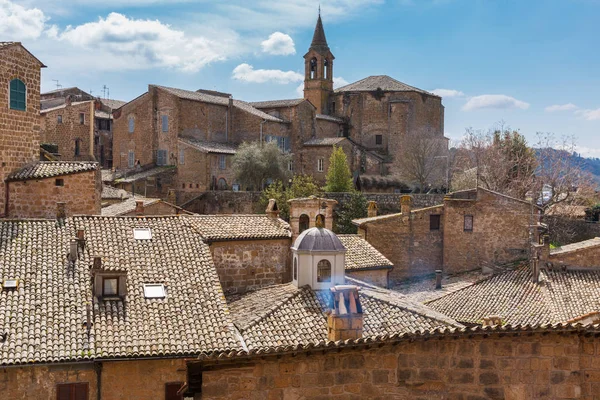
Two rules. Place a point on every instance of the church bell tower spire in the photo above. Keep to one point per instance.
(318, 64)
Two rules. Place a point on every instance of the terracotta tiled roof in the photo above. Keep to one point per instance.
(361, 221)
(513, 296)
(276, 103)
(361, 255)
(383, 82)
(127, 206)
(324, 141)
(283, 315)
(51, 103)
(60, 106)
(239, 227)
(6, 44)
(48, 169)
(111, 192)
(329, 118)
(586, 244)
(44, 317)
(207, 98)
(113, 104)
(210, 147)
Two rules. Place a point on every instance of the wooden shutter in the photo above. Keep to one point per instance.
(171, 390)
(72, 391)
(80, 391)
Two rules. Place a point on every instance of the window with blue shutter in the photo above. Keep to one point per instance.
(161, 157)
(131, 124)
(18, 94)
(165, 123)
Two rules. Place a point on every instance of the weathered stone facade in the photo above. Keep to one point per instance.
(377, 277)
(519, 366)
(581, 255)
(37, 198)
(19, 130)
(245, 265)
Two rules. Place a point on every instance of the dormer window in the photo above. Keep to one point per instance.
(154, 291)
(142, 233)
(110, 286)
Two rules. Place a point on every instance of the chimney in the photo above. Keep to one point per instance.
(492, 320)
(139, 207)
(80, 239)
(372, 210)
(272, 209)
(68, 100)
(73, 250)
(345, 321)
(97, 262)
(438, 279)
(406, 204)
(61, 212)
(172, 197)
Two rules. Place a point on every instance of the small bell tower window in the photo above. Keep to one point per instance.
(313, 68)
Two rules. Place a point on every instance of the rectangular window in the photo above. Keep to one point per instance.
(59, 119)
(131, 124)
(110, 286)
(161, 157)
(434, 222)
(154, 290)
(77, 147)
(165, 123)
(18, 95)
(320, 162)
(378, 139)
(81, 118)
(291, 165)
(171, 390)
(333, 108)
(59, 182)
(72, 391)
(222, 162)
(131, 159)
(468, 223)
(182, 156)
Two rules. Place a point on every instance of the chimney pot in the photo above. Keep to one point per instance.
(139, 207)
(272, 209)
(97, 262)
(80, 234)
(406, 204)
(372, 210)
(438, 278)
(345, 321)
(73, 251)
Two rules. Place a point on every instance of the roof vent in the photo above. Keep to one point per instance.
(10, 284)
(154, 290)
(142, 233)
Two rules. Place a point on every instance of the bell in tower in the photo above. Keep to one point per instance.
(318, 62)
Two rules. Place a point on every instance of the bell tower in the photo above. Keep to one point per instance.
(318, 66)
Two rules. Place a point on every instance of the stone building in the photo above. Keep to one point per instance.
(470, 230)
(68, 130)
(197, 132)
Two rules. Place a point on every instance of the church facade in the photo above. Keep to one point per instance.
(197, 133)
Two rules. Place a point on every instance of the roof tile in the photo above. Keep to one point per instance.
(48, 169)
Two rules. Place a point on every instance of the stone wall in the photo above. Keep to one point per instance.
(139, 141)
(564, 230)
(408, 242)
(19, 130)
(137, 379)
(158, 208)
(584, 257)
(500, 231)
(67, 133)
(37, 198)
(467, 367)
(377, 277)
(245, 265)
(221, 202)
(389, 203)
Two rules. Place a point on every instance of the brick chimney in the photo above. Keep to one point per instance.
(139, 207)
(68, 100)
(406, 204)
(492, 320)
(272, 209)
(172, 197)
(438, 279)
(345, 321)
(61, 211)
(372, 210)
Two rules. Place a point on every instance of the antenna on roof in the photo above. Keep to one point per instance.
(105, 92)
(58, 85)
(319, 9)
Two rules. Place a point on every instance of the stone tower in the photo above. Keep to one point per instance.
(318, 65)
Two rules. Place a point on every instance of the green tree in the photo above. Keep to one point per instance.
(301, 186)
(355, 207)
(254, 164)
(339, 177)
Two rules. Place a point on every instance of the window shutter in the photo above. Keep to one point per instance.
(18, 95)
(131, 124)
(122, 285)
(63, 392)
(165, 123)
(171, 390)
(81, 391)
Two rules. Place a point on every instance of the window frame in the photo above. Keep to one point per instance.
(320, 165)
(162, 156)
(164, 123)
(468, 227)
(81, 118)
(77, 147)
(131, 159)
(222, 161)
(14, 104)
(320, 268)
(59, 119)
(181, 156)
(432, 218)
(131, 124)
(378, 140)
(107, 278)
(72, 388)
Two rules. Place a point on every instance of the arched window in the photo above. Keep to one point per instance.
(221, 184)
(295, 269)
(326, 69)
(304, 222)
(18, 95)
(324, 271)
(313, 68)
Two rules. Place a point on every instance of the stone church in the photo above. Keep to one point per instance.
(185, 140)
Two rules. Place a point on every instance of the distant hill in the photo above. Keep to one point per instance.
(591, 165)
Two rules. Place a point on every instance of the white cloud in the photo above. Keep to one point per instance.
(494, 101)
(447, 93)
(338, 81)
(561, 107)
(19, 23)
(145, 43)
(247, 73)
(278, 44)
(590, 115)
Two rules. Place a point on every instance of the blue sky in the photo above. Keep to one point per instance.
(532, 64)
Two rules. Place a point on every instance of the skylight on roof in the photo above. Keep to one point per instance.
(142, 233)
(10, 283)
(154, 290)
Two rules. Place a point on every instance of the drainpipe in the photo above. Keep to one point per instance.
(91, 121)
(261, 131)
(98, 367)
